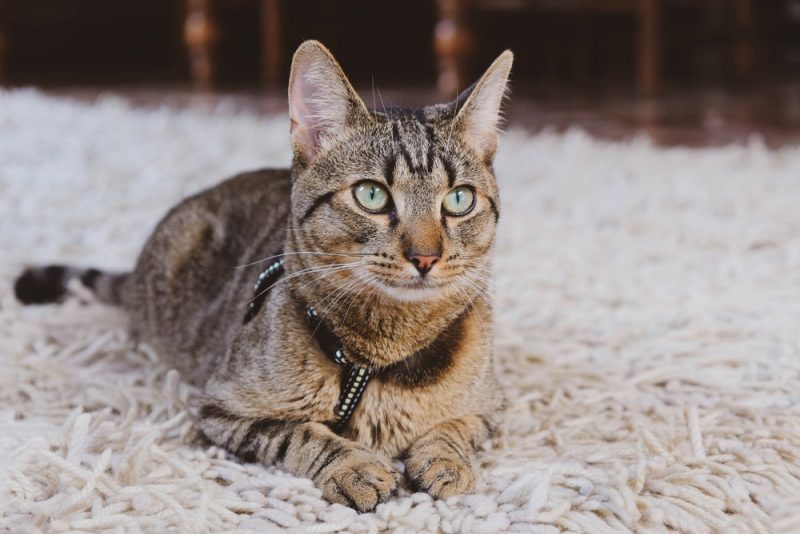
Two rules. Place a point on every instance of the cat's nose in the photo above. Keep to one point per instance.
(422, 262)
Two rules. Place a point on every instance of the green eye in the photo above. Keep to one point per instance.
(459, 201)
(372, 196)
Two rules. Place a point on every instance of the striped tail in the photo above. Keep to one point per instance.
(39, 285)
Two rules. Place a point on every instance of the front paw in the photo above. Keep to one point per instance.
(441, 476)
(360, 480)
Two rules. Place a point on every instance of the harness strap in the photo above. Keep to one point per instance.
(266, 280)
(354, 378)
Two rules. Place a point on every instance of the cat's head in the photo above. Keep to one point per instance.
(413, 190)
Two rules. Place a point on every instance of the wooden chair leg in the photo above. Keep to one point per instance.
(2, 43)
(2, 60)
(199, 34)
(649, 47)
(272, 43)
(743, 53)
(453, 45)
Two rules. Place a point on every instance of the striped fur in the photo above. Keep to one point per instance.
(347, 473)
(40, 285)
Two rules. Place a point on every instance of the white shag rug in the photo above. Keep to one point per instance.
(648, 338)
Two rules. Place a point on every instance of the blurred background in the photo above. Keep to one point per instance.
(686, 72)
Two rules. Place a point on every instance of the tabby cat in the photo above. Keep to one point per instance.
(369, 333)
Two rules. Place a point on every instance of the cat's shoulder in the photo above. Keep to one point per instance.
(237, 197)
(251, 183)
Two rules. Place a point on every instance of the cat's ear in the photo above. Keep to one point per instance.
(322, 103)
(479, 112)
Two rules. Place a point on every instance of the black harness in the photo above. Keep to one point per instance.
(354, 378)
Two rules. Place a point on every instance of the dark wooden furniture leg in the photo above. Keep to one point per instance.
(649, 49)
(272, 41)
(199, 35)
(743, 49)
(2, 43)
(453, 44)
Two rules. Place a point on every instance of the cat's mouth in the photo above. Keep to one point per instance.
(410, 290)
(414, 283)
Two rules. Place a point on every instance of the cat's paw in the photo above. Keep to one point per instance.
(441, 476)
(361, 480)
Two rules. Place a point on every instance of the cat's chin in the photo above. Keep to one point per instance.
(414, 292)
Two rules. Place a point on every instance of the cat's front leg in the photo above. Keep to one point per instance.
(345, 472)
(440, 462)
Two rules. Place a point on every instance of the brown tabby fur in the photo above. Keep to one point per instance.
(269, 390)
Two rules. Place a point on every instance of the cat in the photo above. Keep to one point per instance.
(368, 334)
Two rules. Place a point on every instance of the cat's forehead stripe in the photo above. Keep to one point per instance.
(406, 154)
(431, 146)
(449, 169)
(419, 156)
(388, 169)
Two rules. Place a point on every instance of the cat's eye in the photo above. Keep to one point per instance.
(371, 196)
(459, 201)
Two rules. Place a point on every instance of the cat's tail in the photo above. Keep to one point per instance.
(39, 285)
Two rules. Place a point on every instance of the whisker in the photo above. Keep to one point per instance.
(338, 290)
(481, 278)
(317, 279)
(327, 269)
(471, 307)
(480, 274)
(480, 290)
(352, 300)
(341, 292)
(452, 121)
(382, 104)
(352, 254)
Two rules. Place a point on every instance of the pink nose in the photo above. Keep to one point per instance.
(423, 263)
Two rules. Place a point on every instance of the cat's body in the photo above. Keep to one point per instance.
(188, 292)
(402, 287)
(258, 370)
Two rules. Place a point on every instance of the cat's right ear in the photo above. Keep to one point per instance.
(322, 103)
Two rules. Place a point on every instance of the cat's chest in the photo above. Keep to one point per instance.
(390, 418)
(439, 382)
(402, 403)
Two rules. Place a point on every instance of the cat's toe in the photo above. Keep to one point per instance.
(441, 477)
(361, 483)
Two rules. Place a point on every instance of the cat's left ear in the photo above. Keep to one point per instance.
(479, 116)
(322, 103)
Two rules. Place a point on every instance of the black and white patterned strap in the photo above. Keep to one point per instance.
(354, 378)
(267, 279)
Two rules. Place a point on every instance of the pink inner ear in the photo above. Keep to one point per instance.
(303, 93)
(304, 140)
(489, 145)
(481, 126)
(304, 134)
(321, 101)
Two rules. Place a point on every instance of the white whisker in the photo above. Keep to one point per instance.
(353, 254)
(327, 269)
